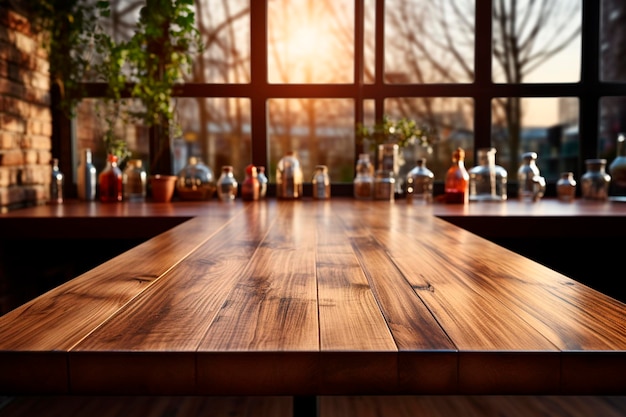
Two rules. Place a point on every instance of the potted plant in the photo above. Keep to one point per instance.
(157, 56)
(389, 138)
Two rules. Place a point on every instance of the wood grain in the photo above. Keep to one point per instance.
(317, 297)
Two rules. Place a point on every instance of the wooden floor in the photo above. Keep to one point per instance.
(340, 406)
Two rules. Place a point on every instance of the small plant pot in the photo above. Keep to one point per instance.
(162, 187)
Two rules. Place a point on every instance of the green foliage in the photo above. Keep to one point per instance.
(159, 54)
(68, 28)
(403, 132)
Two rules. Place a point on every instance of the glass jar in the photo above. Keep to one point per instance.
(250, 186)
(531, 185)
(487, 180)
(195, 181)
(86, 177)
(263, 181)
(289, 177)
(419, 183)
(457, 180)
(566, 187)
(56, 184)
(364, 179)
(594, 183)
(110, 181)
(384, 185)
(134, 181)
(321, 183)
(227, 184)
(617, 170)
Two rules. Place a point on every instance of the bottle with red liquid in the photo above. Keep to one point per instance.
(250, 186)
(110, 181)
(457, 180)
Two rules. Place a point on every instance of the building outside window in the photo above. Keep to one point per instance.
(281, 75)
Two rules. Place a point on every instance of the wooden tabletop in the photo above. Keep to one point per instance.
(311, 298)
(142, 220)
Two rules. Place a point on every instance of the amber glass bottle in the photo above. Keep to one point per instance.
(110, 181)
(457, 180)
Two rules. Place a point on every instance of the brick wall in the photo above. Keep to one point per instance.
(25, 119)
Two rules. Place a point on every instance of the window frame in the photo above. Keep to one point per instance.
(589, 90)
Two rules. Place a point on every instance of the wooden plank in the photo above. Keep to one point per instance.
(265, 338)
(158, 334)
(472, 406)
(432, 364)
(476, 325)
(358, 349)
(61, 318)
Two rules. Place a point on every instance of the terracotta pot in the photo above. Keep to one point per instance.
(162, 187)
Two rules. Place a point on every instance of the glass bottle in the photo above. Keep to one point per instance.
(250, 186)
(531, 185)
(263, 181)
(487, 180)
(566, 187)
(384, 185)
(321, 183)
(227, 184)
(110, 181)
(364, 180)
(594, 184)
(195, 181)
(289, 177)
(56, 184)
(457, 180)
(419, 183)
(134, 181)
(86, 177)
(617, 170)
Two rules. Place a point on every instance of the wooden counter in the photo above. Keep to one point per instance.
(309, 298)
(511, 219)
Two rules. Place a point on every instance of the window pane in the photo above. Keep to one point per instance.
(451, 119)
(311, 41)
(225, 33)
(613, 40)
(547, 126)
(369, 39)
(94, 118)
(320, 131)
(537, 42)
(217, 130)
(612, 122)
(429, 41)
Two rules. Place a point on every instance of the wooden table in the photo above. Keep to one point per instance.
(308, 298)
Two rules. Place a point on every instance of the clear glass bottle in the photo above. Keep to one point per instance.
(250, 186)
(531, 185)
(419, 183)
(227, 184)
(617, 170)
(566, 187)
(56, 184)
(195, 181)
(487, 180)
(384, 185)
(321, 183)
(594, 184)
(289, 177)
(110, 181)
(134, 181)
(457, 180)
(86, 177)
(263, 181)
(364, 180)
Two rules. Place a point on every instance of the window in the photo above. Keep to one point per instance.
(298, 74)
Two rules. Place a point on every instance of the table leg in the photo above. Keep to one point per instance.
(305, 406)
